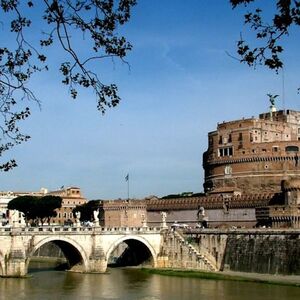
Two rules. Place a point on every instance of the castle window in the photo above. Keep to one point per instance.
(220, 140)
(229, 138)
(225, 151)
(275, 148)
(264, 150)
(292, 149)
(240, 136)
(251, 137)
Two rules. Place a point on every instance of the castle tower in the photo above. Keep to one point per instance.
(253, 155)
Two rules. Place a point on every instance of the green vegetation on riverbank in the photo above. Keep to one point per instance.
(223, 276)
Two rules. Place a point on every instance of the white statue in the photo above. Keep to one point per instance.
(200, 214)
(163, 216)
(77, 215)
(14, 218)
(22, 220)
(96, 219)
(96, 213)
(202, 218)
(144, 221)
(164, 219)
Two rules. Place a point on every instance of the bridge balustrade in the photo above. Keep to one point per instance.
(97, 229)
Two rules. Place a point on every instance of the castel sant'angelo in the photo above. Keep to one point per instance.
(253, 155)
(251, 175)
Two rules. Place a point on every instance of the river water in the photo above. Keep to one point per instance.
(135, 284)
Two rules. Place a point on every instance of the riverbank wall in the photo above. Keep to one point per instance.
(265, 251)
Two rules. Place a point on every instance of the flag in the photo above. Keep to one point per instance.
(127, 177)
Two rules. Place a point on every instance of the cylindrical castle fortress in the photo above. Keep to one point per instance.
(253, 155)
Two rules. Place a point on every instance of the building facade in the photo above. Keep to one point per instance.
(285, 212)
(71, 197)
(124, 213)
(6, 196)
(253, 155)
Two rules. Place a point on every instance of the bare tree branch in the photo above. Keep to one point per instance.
(95, 19)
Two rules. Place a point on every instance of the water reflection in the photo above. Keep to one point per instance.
(135, 284)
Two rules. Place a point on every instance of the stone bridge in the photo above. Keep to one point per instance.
(88, 249)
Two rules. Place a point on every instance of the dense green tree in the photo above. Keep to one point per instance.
(269, 32)
(86, 210)
(46, 207)
(63, 23)
(36, 209)
(24, 204)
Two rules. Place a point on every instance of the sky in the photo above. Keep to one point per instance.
(180, 84)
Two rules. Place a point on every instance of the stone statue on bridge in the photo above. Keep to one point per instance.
(96, 218)
(17, 218)
(164, 219)
(77, 221)
(144, 221)
(202, 218)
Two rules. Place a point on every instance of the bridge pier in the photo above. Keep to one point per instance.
(97, 265)
(14, 267)
(15, 261)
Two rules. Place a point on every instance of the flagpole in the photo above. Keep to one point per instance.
(128, 189)
(127, 179)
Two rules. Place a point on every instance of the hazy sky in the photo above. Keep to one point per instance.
(180, 84)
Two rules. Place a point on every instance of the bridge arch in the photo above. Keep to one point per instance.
(135, 238)
(68, 246)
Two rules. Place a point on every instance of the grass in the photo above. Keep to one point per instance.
(216, 276)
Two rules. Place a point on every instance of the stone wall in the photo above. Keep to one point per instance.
(124, 213)
(242, 217)
(259, 251)
(271, 254)
(188, 216)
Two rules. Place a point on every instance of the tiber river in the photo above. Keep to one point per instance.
(133, 284)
